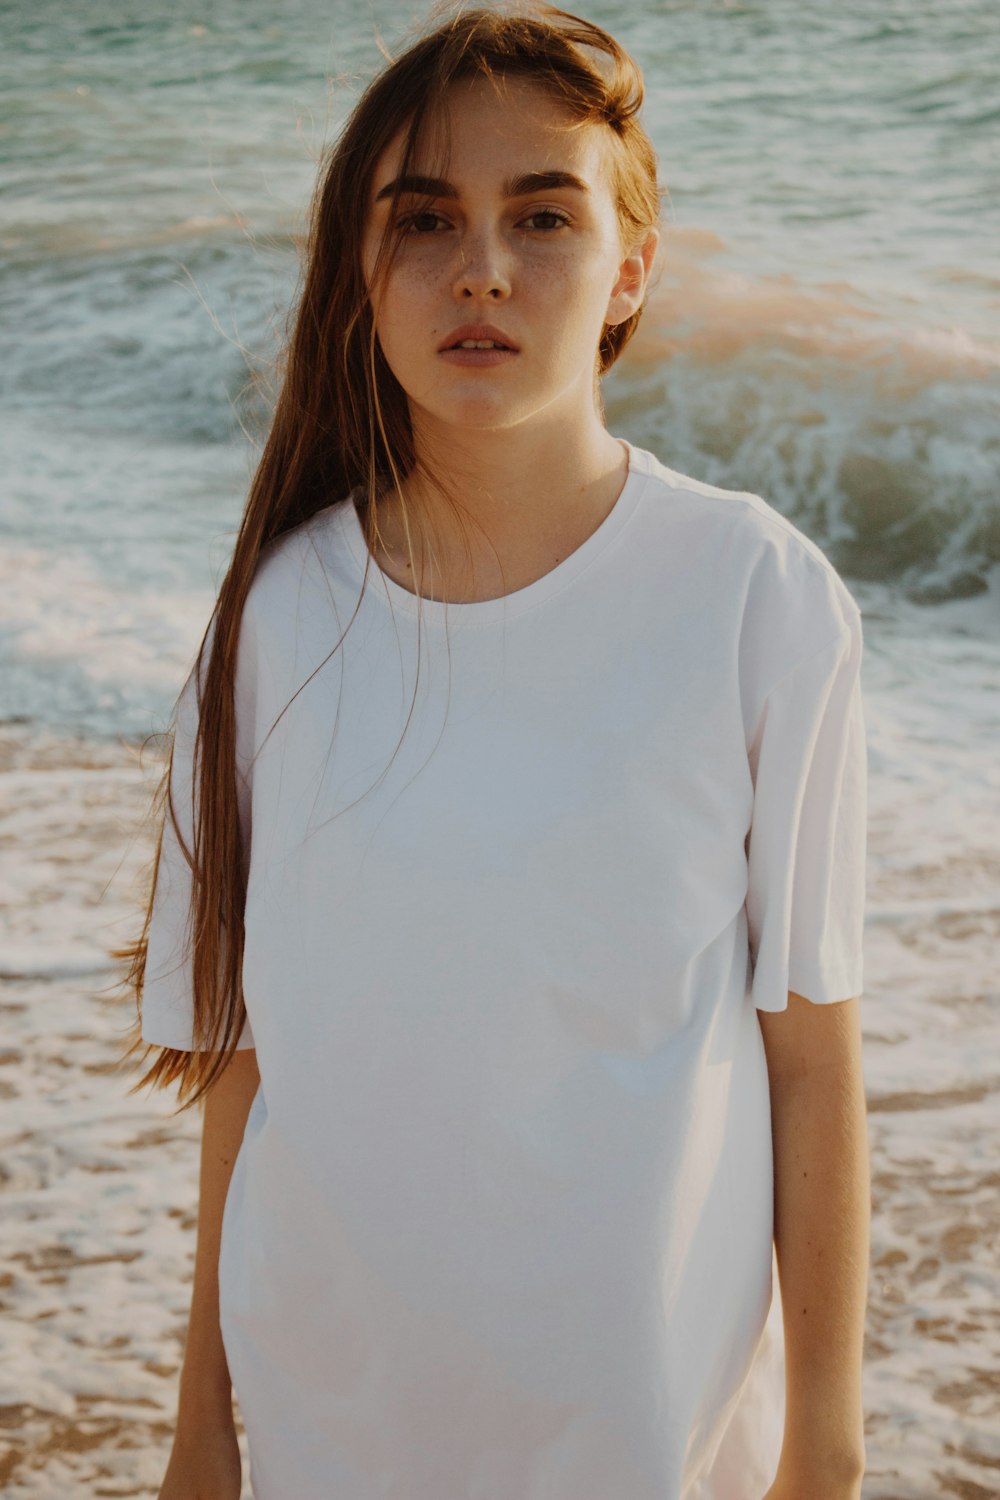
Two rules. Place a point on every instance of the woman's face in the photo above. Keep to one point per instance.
(523, 236)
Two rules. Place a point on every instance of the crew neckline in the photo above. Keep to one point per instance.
(519, 601)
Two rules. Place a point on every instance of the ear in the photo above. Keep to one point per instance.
(633, 279)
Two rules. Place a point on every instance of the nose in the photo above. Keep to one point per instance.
(481, 272)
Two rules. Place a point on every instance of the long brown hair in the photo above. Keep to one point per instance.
(341, 427)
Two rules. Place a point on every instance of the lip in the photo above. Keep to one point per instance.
(476, 331)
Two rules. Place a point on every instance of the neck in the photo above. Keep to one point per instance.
(526, 487)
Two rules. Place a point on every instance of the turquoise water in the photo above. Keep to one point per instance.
(826, 331)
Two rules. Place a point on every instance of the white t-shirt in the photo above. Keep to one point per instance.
(501, 1223)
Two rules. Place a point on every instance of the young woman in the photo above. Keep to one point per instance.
(518, 812)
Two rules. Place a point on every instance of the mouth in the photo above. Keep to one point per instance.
(478, 337)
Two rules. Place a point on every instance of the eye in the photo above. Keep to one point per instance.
(549, 213)
(409, 222)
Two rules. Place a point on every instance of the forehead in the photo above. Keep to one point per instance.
(487, 131)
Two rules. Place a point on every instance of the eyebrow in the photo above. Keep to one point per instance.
(514, 187)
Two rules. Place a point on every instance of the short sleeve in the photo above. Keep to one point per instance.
(806, 849)
(167, 1011)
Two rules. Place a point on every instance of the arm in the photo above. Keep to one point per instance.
(821, 1233)
(205, 1389)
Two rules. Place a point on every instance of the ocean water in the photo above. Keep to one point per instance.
(825, 330)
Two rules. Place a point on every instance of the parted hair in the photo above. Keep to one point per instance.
(341, 428)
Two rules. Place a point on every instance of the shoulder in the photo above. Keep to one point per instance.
(294, 561)
(786, 593)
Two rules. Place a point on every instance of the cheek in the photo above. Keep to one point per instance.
(406, 293)
(405, 322)
(574, 289)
